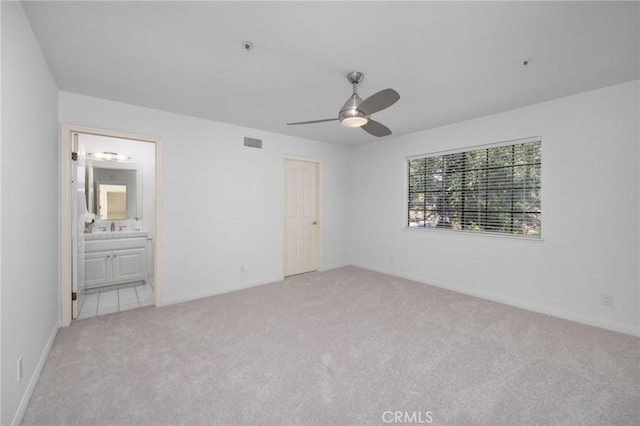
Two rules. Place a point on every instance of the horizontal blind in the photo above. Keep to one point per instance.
(495, 189)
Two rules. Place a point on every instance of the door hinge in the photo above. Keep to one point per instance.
(74, 156)
(74, 296)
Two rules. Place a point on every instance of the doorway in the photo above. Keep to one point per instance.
(302, 216)
(110, 211)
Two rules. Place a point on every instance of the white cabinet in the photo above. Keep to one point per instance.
(129, 265)
(115, 261)
(97, 269)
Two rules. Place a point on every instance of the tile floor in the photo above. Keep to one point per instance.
(116, 300)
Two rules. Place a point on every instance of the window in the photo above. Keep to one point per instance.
(495, 189)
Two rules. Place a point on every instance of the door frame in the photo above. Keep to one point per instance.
(319, 207)
(66, 247)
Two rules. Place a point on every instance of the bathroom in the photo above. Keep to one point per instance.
(114, 224)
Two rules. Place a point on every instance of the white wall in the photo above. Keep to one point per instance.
(590, 203)
(30, 205)
(221, 202)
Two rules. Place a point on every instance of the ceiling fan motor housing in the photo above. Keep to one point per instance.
(350, 115)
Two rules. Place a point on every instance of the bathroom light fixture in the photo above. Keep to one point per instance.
(109, 156)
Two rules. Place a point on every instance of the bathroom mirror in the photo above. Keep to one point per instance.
(113, 190)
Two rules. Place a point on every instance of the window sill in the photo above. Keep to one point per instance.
(474, 234)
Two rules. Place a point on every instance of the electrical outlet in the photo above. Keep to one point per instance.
(607, 300)
(19, 368)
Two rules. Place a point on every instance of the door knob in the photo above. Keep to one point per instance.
(315, 222)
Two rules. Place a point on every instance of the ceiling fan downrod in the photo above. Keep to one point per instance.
(350, 115)
(355, 78)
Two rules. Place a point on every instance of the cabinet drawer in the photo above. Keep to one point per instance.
(114, 244)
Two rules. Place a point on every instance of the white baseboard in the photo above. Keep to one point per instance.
(228, 289)
(519, 303)
(215, 291)
(28, 393)
(335, 266)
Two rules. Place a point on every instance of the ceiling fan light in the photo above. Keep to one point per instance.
(350, 115)
(354, 121)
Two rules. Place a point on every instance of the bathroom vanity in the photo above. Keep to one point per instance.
(114, 258)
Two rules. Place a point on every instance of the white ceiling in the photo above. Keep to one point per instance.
(450, 61)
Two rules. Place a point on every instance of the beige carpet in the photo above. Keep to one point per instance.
(346, 346)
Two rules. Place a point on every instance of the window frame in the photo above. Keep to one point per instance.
(519, 141)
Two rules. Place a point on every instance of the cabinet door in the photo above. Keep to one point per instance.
(97, 268)
(129, 265)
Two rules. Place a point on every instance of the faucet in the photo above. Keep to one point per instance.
(113, 226)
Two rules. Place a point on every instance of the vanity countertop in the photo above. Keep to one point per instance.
(115, 234)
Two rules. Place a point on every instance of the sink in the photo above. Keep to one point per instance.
(115, 234)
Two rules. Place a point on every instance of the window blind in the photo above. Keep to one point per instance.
(495, 189)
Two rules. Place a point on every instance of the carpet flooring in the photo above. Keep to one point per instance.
(343, 347)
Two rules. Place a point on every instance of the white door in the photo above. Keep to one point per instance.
(78, 209)
(301, 217)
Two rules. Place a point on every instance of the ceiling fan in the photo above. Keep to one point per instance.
(357, 113)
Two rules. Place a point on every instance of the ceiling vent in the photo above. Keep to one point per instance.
(253, 142)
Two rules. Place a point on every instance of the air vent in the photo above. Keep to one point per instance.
(253, 142)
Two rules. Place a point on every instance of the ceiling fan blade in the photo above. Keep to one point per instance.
(312, 121)
(379, 101)
(376, 129)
